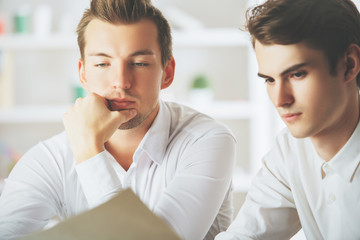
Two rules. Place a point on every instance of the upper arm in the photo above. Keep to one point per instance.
(202, 179)
(31, 194)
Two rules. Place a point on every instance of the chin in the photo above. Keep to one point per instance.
(132, 123)
(298, 133)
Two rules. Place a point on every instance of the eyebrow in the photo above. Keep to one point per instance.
(100, 54)
(137, 53)
(142, 52)
(286, 71)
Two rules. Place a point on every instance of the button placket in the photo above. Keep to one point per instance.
(329, 179)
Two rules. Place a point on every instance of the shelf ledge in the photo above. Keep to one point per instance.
(32, 114)
(16, 42)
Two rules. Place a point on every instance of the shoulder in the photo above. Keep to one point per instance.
(49, 159)
(55, 149)
(187, 119)
(55, 144)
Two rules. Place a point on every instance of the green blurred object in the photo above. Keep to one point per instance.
(22, 24)
(201, 92)
(79, 91)
(22, 19)
(200, 81)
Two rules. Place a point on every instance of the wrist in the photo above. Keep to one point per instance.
(88, 152)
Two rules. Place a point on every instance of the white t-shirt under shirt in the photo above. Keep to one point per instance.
(182, 171)
(296, 188)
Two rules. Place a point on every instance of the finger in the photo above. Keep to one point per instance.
(78, 100)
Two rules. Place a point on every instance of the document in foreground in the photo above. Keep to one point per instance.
(123, 217)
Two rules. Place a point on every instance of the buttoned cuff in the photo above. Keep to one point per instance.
(98, 178)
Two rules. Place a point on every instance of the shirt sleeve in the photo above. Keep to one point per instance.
(31, 195)
(202, 181)
(269, 210)
(98, 179)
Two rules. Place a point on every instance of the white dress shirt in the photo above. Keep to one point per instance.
(181, 170)
(296, 188)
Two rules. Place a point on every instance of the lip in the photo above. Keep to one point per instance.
(120, 104)
(290, 117)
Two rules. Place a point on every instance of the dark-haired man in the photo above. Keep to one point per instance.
(309, 56)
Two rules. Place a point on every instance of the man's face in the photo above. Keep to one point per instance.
(123, 64)
(307, 97)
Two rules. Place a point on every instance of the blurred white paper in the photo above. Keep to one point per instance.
(122, 217)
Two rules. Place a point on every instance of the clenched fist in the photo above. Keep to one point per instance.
(90, 123)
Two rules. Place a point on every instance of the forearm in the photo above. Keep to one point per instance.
(98, 178)
(268, 212)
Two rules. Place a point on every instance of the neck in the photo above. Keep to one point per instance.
(123, 143)
(329, 143)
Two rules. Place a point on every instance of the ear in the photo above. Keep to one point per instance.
(352, 62)
(81, 70)
(169, 72)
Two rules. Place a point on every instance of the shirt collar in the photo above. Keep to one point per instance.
(155, 140)
(347, 160)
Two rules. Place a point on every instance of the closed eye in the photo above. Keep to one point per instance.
(298, 75)
(269, 80)
(140, 64)
(101, 65)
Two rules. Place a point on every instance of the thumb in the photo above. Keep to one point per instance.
(124, 115)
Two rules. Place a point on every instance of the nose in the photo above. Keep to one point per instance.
(281, 94)
(121, 78)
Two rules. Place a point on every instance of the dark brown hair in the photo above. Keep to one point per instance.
(127, 11)
(327, 25)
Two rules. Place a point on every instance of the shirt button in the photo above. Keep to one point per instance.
(332, 198)
(327, 168)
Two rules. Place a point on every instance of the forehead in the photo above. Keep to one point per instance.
(121, 37)
(273, 59)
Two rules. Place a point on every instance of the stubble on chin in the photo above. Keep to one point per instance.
(132, 123)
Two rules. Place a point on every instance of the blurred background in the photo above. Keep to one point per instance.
(216, 73)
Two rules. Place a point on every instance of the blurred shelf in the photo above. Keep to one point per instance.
(23, 42)
(32, 114)
(188, 38)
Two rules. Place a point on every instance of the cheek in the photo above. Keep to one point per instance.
(96, 82)
(313, 91)
(271, 93)
(151, 80)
